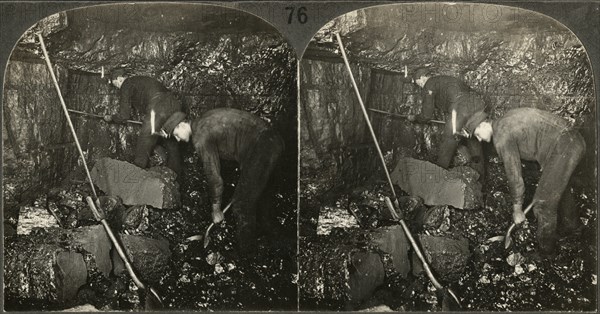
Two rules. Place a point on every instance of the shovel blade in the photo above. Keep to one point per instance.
(197, 237)
(507, 242)
(153, 301)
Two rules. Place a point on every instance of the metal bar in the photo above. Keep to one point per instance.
(100, 116)
(402, 115)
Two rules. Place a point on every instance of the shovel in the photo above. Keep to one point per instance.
(206, 234)
(389, 204)
(153, 300)
(507, 239)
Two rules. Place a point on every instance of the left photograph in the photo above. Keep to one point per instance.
(150, 162)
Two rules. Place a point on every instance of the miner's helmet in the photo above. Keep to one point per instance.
(420, 72)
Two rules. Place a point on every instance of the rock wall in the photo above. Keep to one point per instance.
(206, 63)
(513, 57)
(37, 143)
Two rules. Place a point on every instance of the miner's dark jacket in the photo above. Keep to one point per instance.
(137, 92)
(535, 135)
(146, 94)
(446, 93)
(232, 134)
(229, 134)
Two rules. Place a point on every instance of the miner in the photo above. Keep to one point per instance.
(537, 135)
(161, 110)
(231, 134)
(457, 102)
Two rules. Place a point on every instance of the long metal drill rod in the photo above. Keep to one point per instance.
(366, 115)
(100, 116)
(64, 106)
(402, 115)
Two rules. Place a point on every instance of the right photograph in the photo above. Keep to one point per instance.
(447, 162)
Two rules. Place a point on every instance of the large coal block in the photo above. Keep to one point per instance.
(340, 279)
(135, 186)
(51, 265)
(356, 264)
(149, 257)
(457, 187)
(448, 257)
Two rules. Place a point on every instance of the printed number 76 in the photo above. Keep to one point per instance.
(301, 14)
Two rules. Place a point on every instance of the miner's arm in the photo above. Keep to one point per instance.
(509, 153)
(124, 104)
(427, 107)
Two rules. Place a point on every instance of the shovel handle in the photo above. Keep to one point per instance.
(415, 247)
(116, 244)
(507, 238)
(99, 216)
(206, 237)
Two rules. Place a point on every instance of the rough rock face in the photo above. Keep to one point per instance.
(448, 257)
(207, 64)
(366, 273)
(136, 186)
(31, 217)
(357, 263)
(513, 57)
(95, 241)
(36, 143)
(50, 265)
(392, 240)
(457, 187)
(149, 257)
(341, 279)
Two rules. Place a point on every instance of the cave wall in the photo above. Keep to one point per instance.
(37, 142)
(517, 59)
(205, 65)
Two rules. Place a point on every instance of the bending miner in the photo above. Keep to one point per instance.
(232, 134)
(458, 102)
(161, 110)
(537, 135)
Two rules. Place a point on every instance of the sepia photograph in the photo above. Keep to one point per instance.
(447, 162)
(301, 156)
(150, 162)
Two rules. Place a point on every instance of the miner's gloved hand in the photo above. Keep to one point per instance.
(518, 215)
(411, 117)
(108, 118)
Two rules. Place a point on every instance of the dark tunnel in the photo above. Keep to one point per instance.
(513, 58)
(209, 57)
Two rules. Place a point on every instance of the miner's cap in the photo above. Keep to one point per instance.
(474, 122)
(117, 72)
(173, 121)
(420, 72)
